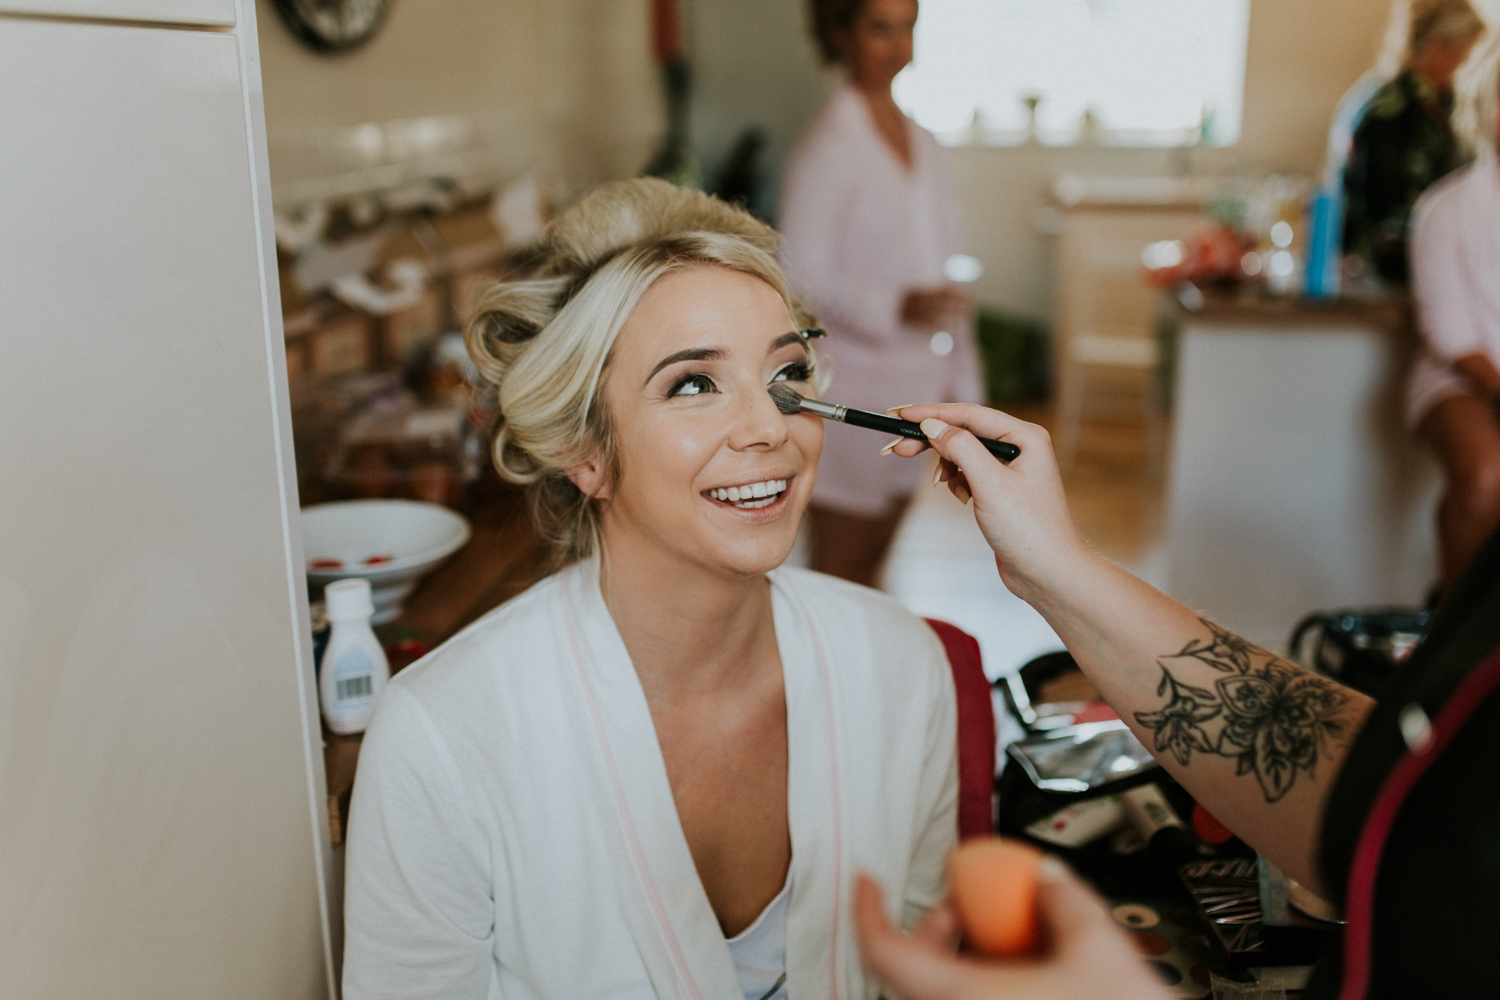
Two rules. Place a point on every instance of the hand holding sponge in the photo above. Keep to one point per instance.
(993, 884)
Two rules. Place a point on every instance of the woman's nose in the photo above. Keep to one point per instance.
(758, 423)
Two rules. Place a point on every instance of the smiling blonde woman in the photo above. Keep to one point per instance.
(655, 773)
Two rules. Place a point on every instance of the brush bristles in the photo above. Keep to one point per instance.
(788, 401)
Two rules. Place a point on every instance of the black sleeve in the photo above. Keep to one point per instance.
(1442, 854)
(1464, 632)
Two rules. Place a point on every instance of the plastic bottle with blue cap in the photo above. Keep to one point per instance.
(354, 669)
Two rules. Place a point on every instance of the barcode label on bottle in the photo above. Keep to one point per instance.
(354, 687)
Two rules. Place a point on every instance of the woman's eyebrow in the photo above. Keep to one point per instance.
(691, 354)
(786, 338)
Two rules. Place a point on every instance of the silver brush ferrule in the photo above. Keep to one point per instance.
(829, 411)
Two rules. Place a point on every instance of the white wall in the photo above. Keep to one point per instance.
(496, 88)
(753, 64)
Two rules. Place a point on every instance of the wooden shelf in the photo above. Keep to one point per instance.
(503, 558)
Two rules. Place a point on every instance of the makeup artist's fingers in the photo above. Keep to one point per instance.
(1084, 940)
(915, 968)
(939, 927)
(1070, 911)
(1088, 956)
(962, 451)
(949, 473)
(1020, 506)
(909, 447)
(981, 420)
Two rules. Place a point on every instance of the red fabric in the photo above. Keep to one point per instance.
(976, 732)
(666, 31)
(1359, 901)
(1094, 711)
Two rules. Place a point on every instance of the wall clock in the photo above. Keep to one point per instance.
(333, 25)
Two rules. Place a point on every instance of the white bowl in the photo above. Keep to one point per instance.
(409, 538)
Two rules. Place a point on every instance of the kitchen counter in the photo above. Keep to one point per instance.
(1389, 311)
(1293, 485)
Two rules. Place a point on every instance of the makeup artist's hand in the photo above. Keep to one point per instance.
(1087, 957)
(931, 308)
(1020, 506)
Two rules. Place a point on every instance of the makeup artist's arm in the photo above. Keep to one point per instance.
(1257, 740)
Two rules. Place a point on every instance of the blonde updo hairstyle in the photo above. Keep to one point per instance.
(544, 342)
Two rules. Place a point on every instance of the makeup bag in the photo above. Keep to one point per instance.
(1074, 748)
(1361, 648)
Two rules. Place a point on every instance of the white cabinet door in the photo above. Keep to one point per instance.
(209, 12)
(1294, 487)
(160, 829)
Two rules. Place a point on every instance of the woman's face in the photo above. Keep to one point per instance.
(709, 470)
(880, 43)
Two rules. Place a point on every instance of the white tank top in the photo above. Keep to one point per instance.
(759, 951)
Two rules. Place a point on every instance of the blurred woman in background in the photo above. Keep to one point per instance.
(868, 217)
(1454, 391)
(1404, 141)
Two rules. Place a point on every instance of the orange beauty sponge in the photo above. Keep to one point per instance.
(994, 887)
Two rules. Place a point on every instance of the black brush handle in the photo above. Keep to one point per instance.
(1003, 450)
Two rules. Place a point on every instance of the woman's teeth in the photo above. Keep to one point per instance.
(752, 496)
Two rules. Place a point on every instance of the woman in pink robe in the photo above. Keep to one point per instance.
(868, 217)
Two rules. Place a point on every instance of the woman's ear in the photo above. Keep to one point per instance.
(589, 477)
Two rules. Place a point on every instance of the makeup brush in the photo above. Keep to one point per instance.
(790, 402)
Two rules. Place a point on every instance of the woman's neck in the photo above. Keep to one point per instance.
(888, 119)
(688, 629)
(876, 92)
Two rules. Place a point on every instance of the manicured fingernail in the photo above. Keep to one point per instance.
(887, 449)
(963, 494)
(895, 411)
(937, 474)
(933, 427)
(1052, 869)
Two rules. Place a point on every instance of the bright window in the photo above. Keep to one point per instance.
(1141, 72)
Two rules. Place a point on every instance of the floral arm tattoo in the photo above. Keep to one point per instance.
(1270, 716)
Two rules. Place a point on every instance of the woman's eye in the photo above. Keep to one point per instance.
(693, 385)
(797, 371)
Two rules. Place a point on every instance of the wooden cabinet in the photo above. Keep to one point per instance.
(1104, 349)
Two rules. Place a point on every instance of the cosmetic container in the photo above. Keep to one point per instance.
(354, 668)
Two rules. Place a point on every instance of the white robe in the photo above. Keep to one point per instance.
(1455, 271)
(513, 833)
(859, 230)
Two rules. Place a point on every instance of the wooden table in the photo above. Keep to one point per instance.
(503, 557)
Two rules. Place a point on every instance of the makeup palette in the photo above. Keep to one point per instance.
(1174, 947)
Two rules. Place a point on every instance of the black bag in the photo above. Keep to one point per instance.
(1362, 648)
